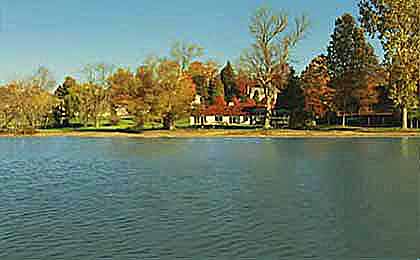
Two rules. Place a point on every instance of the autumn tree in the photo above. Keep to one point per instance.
(243, 84)
(36, 101)
(204, 76)
(8, 107)
(350, 61)
(369, 94)
(26, 104)
(133, 92)
(315, 83)
(270, 50)
(397, 25)
(91, 102)
(95, 92)
(175, 91)
(198, 75)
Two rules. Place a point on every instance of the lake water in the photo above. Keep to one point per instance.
(71, 198)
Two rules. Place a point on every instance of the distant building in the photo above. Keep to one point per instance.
(238, 116)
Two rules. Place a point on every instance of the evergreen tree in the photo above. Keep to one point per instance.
(292, 98)
(215, 90)
(350, 60)
(227, 76)
(63, 111)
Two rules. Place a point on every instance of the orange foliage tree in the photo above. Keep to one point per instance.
(315, 82)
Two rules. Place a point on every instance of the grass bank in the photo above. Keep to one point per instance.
(228, 133)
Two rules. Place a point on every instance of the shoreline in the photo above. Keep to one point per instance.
(224, 133)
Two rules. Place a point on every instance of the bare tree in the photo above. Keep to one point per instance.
(43, 79)
(97, 73)
(270, 52)
(184, 53)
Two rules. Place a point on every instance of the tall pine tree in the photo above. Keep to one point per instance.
(63, 111)
(292, 98)
(350, 60)
(228, 78)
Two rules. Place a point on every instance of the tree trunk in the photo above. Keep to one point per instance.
(404, 118)
(344, 120)
(344, 112)
(267, 122)
(169, 122)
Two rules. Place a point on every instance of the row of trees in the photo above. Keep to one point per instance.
(397, 25)
(26, 103)
(159, 90)
(348, 78)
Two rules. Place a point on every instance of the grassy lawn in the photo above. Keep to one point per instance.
(125, 124)
(127, 127)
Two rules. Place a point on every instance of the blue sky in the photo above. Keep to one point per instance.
(65, 34)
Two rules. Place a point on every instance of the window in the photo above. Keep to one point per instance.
(219, 118)
(203, 119)
(235, 120)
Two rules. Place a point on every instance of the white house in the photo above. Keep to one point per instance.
(237, 116)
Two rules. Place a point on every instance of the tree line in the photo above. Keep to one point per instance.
(349, 77)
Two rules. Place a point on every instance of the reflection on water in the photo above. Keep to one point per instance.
(69, 198)
(405, 146)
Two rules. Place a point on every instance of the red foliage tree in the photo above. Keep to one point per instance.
(315, 81)
(369, 94)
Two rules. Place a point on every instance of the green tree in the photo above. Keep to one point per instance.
(216, 89)
(228, 78)
(397, 25)
(64, 112)
(270, 51)
(292, 98)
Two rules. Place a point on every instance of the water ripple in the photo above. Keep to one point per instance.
(197, 199)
